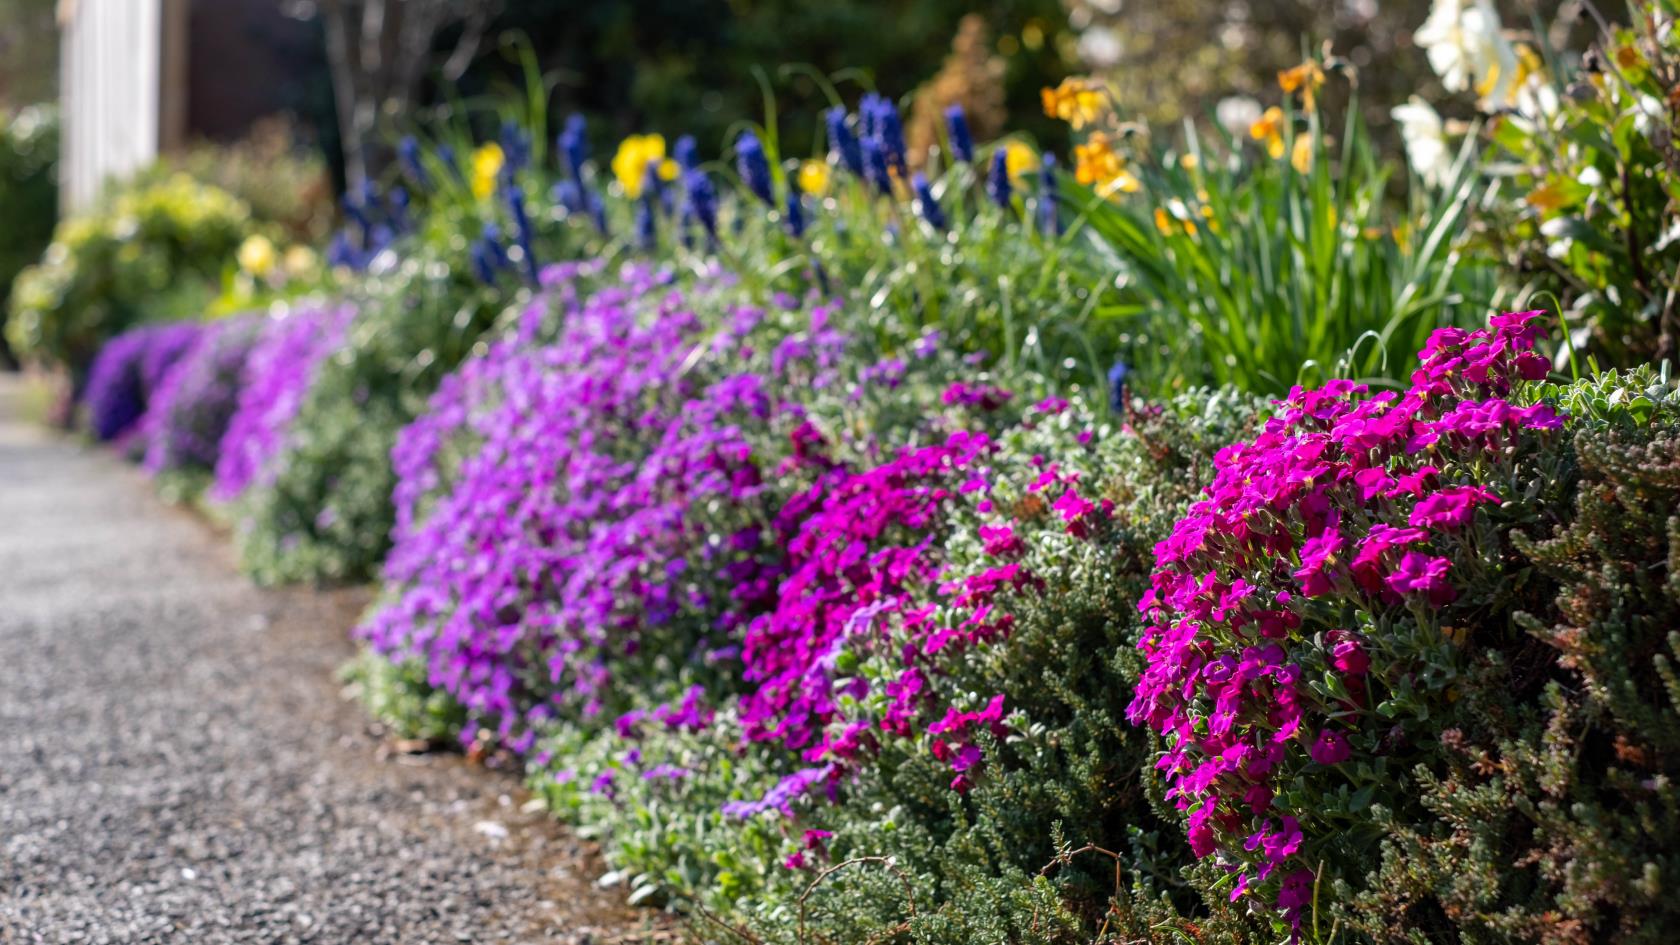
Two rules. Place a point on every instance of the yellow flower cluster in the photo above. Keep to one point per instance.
(813, 177)
(487, 162)
(1076, 101)
(1099, 166)
(631, 162)
(1306, 78)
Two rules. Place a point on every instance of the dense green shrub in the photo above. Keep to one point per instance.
(1553, 813)
(28, 192)
(150, 254)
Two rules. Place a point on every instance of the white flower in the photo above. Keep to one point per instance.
(1468, 50)
(1099, 47)
(1236, 113)
(1426, 141)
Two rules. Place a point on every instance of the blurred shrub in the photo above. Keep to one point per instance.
(128, 373)
(152, 253)
(284, 182)
(28, 192)
(1592, 189)
(188, 414)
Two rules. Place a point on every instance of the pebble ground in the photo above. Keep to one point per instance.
(178, 763)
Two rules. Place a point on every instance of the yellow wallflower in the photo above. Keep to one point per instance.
(1018, 160)
(1269, 128)
(1301, 155)
(813, 177)
(257, 255)
(1076, 101)
(487, 162)
(1307, 78)
(299, 261)
(631, 162)
(1097, 165)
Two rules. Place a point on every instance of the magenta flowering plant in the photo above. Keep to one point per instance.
(1306, 618)
(870, 620)
(282, 363)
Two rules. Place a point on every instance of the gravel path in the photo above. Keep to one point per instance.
(177, 763)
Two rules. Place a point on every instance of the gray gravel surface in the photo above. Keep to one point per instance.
(177, 763)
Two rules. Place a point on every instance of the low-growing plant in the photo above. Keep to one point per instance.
(278, 374)
(1339, 625)
(128, 373)
(188, 414)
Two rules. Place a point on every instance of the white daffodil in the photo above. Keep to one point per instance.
(1440, 38)
(1236, 114)
(1426, 141)
(1466, 46)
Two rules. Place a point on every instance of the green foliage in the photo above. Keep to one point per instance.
(1549, 812)
(148, 254)
(1255, 270)
(1592, 188)
(28, 191)
(676, 66)
(397, 695)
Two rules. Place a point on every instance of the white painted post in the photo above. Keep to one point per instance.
(109, 88)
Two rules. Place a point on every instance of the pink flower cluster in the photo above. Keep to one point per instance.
(1348, 502)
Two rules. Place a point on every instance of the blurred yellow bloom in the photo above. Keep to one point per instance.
(300, 261)
(1301, 155)
(1097, 165)
(1179, 218)
(1269, 128)
(1076, 101)
(1307, 78)
(1626, 56)
(813, 177)
(487, 162)
(1189, 162)
(1019, 159)
(631, 162)
(1547, 198)
(257, 256)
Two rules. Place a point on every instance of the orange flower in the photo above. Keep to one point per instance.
(1076, 101)
(1097, 165)
(1307, 77)
(1269, 128)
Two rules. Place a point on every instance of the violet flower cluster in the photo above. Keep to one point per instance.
(278, 373)
(1348, 503)
(126, 374)
(189, 413)
(562, 543)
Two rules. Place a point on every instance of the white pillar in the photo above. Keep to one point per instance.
(110, 79)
